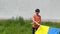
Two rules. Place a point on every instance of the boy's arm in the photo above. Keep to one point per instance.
(35, 21)
(40, 19)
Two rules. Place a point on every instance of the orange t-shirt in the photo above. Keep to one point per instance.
(36, 18)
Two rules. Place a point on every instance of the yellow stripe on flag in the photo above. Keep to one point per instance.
(42, 30)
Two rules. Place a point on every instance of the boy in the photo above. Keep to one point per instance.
(36, 18)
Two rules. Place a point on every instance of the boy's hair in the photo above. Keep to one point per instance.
(37, 10)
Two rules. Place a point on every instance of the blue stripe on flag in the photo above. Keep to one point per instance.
(53, 30)
(59, 30)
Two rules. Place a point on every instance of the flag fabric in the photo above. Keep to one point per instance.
(47, 30)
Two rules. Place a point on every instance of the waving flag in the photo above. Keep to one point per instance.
(47, 30)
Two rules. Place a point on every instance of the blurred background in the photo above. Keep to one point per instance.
(15, 15)
(50, 9)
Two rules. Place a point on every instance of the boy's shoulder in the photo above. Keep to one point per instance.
(33, 14)
(39, 15)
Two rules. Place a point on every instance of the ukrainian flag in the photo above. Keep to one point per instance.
(47, 30)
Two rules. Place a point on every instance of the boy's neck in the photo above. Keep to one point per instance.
(37, 14)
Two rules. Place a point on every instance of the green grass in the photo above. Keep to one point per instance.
(20, 26)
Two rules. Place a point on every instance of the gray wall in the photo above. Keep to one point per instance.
(50, 9)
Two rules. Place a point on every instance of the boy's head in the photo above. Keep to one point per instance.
(37, 11)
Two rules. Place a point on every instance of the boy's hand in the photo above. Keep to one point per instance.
(38, 24)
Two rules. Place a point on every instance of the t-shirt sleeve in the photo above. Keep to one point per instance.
(33, 17)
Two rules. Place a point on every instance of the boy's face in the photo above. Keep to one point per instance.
(37, 12)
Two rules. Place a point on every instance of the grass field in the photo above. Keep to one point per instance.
(20, 26)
